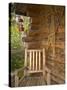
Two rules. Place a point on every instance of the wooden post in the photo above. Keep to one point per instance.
(39, 60)
(33, 60)
(48, 78)
(43, 62)
(16, 79)
(36, 60)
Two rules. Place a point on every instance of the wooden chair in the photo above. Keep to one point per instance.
(35, 61)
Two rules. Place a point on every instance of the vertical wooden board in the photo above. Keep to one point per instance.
(36, 60)
(33, 59)
(39, 60)
(30, 60)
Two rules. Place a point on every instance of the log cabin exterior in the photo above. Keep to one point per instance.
(47, 31)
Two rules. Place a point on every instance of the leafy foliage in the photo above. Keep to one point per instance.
(17, 49)
(17, 55)
(17, 60)
(15, 37)
(26, 23)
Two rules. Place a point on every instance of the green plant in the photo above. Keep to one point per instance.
(26, 23)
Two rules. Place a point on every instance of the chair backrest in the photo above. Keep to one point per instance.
(35, 60)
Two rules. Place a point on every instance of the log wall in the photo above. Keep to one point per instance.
(48, 31)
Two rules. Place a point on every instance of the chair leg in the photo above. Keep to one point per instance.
(48, 78)
(44, 75)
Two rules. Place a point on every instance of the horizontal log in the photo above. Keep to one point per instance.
(34, 27)
(60, 33)
(35, 71)
(34, 50)
(60, 69)
(39, 31)
(60, 46)
(59, 43)
(56, 60)
(62, 39)
(33, 40)
(58, 50)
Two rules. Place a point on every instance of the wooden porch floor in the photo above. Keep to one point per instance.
(32, 81)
